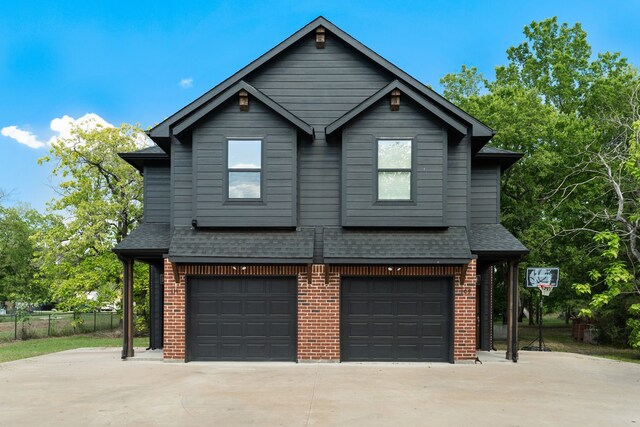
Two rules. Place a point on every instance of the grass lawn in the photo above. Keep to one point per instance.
(557, 337)
(22, 349)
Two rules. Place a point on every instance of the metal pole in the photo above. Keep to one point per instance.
(49, 328)
(15, 325)
(540, 324)
(111, 321)
(95, 314)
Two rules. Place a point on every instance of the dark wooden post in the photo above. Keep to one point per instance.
(127, 308)
(512, 311)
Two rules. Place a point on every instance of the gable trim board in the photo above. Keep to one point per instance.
(226, 95)
(456, 125)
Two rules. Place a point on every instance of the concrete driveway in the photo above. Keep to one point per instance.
(94, 387)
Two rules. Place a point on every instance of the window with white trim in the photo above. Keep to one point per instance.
(394, 169)
(244, 168)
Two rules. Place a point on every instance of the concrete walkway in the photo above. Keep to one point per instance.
(94, 387)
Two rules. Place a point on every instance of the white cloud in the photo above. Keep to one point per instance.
(61, 126)
(186, 83)
(22, 136)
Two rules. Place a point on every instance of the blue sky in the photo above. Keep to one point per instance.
(140, 61)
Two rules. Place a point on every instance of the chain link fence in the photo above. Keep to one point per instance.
(55, 324)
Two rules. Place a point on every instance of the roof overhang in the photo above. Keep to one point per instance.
(505, 159)
(446, 118)
(138, 160)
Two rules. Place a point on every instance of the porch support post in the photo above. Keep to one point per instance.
(127, 308)
(512, 311)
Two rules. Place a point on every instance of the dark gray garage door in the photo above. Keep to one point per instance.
(241, 318)
(396, 319)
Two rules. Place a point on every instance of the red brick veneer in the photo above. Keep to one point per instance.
(319, 303)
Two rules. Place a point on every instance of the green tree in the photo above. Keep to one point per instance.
(617, 165)
(17, 266)
(100, 203)
(547, 102)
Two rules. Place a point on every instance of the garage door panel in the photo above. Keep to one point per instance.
(250, 318)
(382, 308)
(404, 319)
(408, 329)
(409, 352)
(281, 329)
(228, 288)
(356, 329)
(281, 351)
(207, 329)
(408, 308)
(256, 329)
(433, 330)
(231, 307)
(281, 307)
(256, 307)
(279, 287)
(358, 308)
(231, 329)
(435, 308)
(382, 329)
(205, 306)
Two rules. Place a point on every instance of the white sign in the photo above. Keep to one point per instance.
(537, 276)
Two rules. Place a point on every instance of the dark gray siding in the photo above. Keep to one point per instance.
(485, 195)
(458, 183)
(319, 86)
(181, 177)
(157, 193)
(278, 205)
(429, 145)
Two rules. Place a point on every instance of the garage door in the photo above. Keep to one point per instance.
(396, 319)
(241, 318)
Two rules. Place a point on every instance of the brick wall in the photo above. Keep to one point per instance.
(319, 303)
(319, 316)
(464, 335)
(174, 313)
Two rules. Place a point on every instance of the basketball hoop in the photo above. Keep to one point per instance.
(545, 289)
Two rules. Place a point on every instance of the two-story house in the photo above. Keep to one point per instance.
(321, 204)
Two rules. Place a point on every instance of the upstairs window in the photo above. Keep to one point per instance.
(394, 169)
(244, 168)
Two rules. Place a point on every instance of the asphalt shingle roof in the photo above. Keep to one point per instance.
(189, 245)
(406, 247)
(147, 236)
(494, 238)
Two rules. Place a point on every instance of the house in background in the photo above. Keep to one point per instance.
(321, 204)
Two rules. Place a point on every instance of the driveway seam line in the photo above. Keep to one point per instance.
(313, 394)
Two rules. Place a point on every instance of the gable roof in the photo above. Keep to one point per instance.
(233, 90)
(456, 125)
(161, 132)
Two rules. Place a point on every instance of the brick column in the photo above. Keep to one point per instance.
(464, 340)
(174, 314)
(319, 316)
